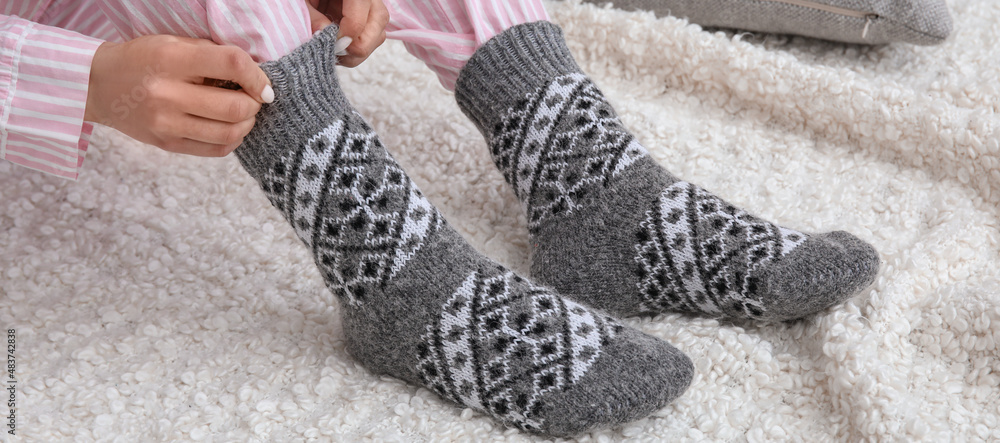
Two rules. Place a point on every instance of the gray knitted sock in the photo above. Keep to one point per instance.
(418, 302)
(612, 227)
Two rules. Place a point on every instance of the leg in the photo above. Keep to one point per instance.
(419, 303)
(611, 226)
(445, 33)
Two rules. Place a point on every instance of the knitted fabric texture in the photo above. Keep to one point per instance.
(418, 302)
(922, 22)
(611, 226)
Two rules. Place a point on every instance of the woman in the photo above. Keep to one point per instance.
(612, 229)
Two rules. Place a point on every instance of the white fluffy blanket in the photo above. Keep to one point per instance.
(162, 298)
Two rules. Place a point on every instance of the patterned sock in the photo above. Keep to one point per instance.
(612, 227)
(418, 302)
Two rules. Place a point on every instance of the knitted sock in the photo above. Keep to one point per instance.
(612, 227)
(418, 302)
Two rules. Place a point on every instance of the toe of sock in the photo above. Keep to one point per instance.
(825, 270)
(635, 376)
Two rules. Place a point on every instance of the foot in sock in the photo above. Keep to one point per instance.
(612, 227)
(418, 302)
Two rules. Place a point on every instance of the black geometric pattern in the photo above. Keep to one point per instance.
(697, 253)
(502, 344)
(558, 144)
(353, 207)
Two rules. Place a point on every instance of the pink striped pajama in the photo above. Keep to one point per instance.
(46, 48)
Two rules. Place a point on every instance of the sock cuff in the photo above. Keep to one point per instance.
(510, 65)
(306, 96)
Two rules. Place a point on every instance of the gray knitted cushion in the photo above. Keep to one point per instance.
(922, 22)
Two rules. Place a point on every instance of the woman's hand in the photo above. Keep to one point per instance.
(363, 21)
(153, 89)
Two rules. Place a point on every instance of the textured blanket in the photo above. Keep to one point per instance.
(162, 298)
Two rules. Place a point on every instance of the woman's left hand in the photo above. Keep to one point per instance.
(363, 21)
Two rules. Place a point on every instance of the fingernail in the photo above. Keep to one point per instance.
(267, 95)
(340, 48)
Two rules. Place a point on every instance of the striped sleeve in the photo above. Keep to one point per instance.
(44, 77)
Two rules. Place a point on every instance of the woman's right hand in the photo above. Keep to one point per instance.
(153, 89)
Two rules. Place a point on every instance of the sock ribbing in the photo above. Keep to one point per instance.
(509, 66)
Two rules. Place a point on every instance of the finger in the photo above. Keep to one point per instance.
(372, 37)
(361, 53)
(211, 131)
(216, 103)
(232, 63)
(317, 20)
(354, 18)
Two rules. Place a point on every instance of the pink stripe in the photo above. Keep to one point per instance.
(63, 38)
(45, 126)
(49, 90)
(293, 18)
(445, 15)
(493, 14)
(117, 19)
(487, 28)
(281, 17)
(59, 17)
(248, 27)
(28, 152)
(52, 73)
(23, 9)
(194, 14)
(103, 30)
(47, 107)
(279, 41)
(62, 57)
(271, 18)
(403, 22)
(59, 147)
(12, 26)
(223, 31)
(135, 14)
(165, 14)
(56, 90)
(29, 163)
(457, 14)
(85, 22)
